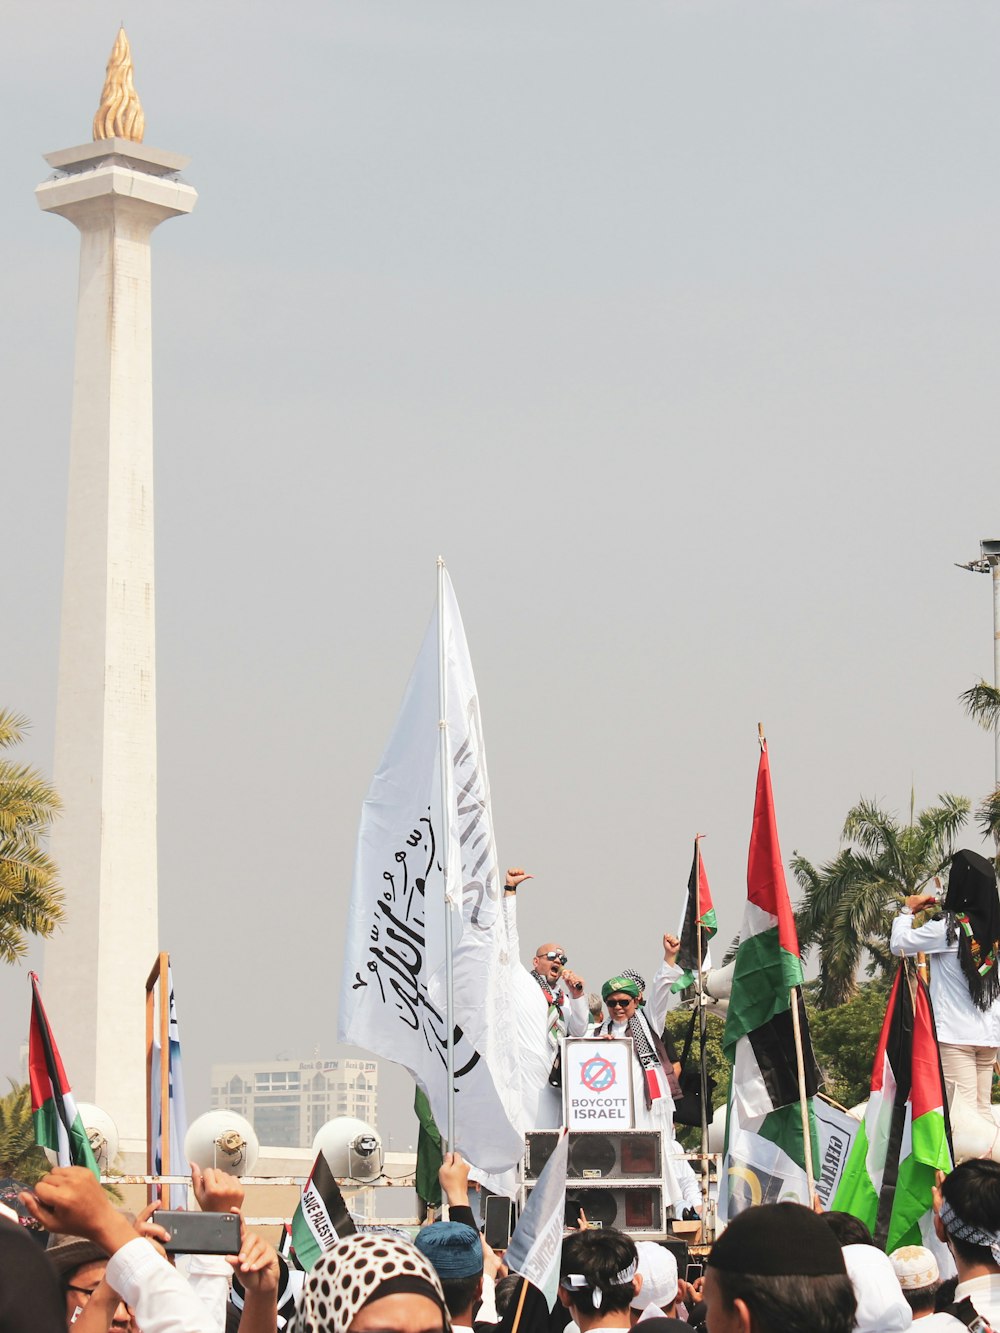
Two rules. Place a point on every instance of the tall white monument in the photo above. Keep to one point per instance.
(115, 191)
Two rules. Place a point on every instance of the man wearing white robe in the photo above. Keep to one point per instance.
(550, 1002)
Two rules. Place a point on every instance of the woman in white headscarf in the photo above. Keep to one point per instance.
(372, 1282)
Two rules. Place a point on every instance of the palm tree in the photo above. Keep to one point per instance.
(982, 703)
(20, 1155)
(30, 895)
(849, 903)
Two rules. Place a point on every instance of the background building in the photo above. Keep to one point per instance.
(287, 1101)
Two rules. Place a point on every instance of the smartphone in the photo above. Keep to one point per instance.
(693, 1272)
(499, 1221)
(200, 1233)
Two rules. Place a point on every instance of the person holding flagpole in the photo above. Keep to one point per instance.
(963, 942)
(550, 1002)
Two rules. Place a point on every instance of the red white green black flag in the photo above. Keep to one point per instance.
(905, 1137)
(698, 911)
(58, 1126)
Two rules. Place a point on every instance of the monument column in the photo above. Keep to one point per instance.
(115, 191)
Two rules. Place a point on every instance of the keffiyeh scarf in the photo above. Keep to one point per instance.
(964, 1231)
(659, 1082)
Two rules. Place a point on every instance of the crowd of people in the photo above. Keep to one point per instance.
(776, 1268)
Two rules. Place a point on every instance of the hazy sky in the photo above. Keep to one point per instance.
(673, 326)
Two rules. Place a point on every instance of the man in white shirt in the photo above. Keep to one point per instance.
(550, 1002)
(967, 1219)
(965, 973)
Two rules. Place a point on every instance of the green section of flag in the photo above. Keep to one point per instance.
(856, 1193)
(47, 1125)
(763, 977)
(307, 1247)
(915, 1182)
(913, 1194)
(783, 1128)
(429, 1156)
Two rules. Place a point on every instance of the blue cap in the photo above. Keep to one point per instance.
(452, 1248)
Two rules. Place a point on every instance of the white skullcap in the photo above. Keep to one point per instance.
(659, 1275)
(915, 1267)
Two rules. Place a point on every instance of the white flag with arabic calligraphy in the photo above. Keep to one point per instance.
(393, 990)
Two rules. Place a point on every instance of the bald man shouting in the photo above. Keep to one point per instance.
(550, 1003)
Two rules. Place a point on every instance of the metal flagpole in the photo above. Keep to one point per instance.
(702, 1025)
(445, 843)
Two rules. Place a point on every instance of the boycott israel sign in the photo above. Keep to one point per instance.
(597, 1083)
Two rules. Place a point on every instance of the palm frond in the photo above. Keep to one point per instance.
(982, 704)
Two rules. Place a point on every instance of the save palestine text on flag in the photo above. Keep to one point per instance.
(765, 1153)
(904, 1138)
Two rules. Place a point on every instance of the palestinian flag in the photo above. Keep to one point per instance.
(321, 1218)
(58, 1126)
(905, 1136)
(698, 911)
(765, 1154)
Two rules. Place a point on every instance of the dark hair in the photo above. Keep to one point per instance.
(848, 1230)
(945, 1294)
(921, 1299)
(973, 1190)
(459, 1292)
(599, 1256)
(793, 1304)
(505, 1291)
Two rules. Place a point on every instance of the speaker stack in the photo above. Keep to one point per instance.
(615, 1177)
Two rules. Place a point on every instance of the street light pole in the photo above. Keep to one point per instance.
(989, 563)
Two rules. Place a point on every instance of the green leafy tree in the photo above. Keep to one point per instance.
(848, 904)
(20, 1155)
(982, 703)
(844, 1041)
(30, 895)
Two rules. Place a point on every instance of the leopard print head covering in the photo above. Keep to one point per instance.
(359, 1269)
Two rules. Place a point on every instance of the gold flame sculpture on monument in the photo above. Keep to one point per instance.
(120, 114)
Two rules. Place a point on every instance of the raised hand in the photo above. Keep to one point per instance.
(216, 1191)
(453, 1175)
(516, 876)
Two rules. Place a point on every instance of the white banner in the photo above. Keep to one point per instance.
(597, 1083)
(837, 1132)
(535, 1248)
(393, 990)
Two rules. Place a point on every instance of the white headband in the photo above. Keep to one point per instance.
(577, 1282)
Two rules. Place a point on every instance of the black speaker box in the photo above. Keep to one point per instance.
(638, 1209)
(625, 1155)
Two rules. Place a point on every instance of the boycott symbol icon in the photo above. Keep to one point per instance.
(597, 1074)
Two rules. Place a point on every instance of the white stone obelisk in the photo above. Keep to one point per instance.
(115, 191)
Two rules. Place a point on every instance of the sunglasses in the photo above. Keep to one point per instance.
(620, 1004)
(554, 957)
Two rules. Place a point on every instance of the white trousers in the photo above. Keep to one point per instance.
(970, 1068)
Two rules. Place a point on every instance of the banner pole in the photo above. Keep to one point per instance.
(702, 1026)
(443, 761)
(794, 996)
